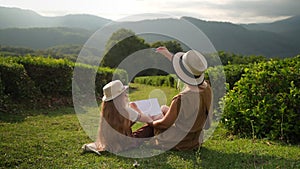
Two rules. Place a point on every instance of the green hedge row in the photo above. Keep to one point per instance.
(34, 78)
(233, 73)
(169, 80)
(51, 76)
(265, 101)
(15, 85)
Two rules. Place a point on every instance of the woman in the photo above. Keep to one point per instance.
(117, 117)
(183, 122)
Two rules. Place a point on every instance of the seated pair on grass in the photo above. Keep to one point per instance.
(180, 126)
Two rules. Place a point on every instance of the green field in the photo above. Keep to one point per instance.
(52, 138)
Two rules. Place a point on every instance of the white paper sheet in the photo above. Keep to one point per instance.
(150, 107)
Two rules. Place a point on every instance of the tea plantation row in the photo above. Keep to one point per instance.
(262, 99)
(32, 80)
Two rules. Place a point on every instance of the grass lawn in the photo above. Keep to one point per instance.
(52, 138)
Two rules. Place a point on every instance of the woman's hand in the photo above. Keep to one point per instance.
(157, 117)
(143, 117)
(164, 109)
(164, 51)
(134, 107)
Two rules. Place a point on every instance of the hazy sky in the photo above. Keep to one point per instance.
(236, 11)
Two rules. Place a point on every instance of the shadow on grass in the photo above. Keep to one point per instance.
(207, 158)
(18, 114)
(216, 159)
(133, 89)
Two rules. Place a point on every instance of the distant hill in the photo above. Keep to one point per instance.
(20, 18)
(238, 39)
(285, 25)
(41, 38)
(231, 37)
(289, 28)
(25, 28)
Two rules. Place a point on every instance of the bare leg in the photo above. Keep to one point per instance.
(144, 132)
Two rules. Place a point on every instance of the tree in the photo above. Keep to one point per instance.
(173, 46)
(121, 44)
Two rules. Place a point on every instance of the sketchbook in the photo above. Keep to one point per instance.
(150, 107)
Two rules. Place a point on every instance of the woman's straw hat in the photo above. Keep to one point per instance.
(113, 89)
(190, 66)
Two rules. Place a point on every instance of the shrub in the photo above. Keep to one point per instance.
(103, 75)
(234, 73)
(2, 96)
(265, 101)
(16, 85)
(216, 76)
(51, 76)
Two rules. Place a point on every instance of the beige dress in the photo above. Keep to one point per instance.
(181, 127)
(117, 137)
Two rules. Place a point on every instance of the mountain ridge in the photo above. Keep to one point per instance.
(20, 18)
(245, 39)
(281, 26)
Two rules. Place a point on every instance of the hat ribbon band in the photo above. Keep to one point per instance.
(186, 71)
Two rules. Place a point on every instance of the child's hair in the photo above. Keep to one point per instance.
(113, 115)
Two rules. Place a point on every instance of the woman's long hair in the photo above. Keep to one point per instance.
(114, 124)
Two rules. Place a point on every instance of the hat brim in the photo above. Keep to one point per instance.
(183, 76)
(105, 99)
